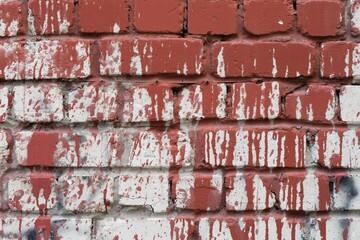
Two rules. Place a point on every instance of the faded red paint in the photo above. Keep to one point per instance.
(157, 56)
(250, 59)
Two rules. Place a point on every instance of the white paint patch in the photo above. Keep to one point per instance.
(112, 63)
(221, 63)
(116, 28)
(135, 64)
(349, 104)
(144, 190)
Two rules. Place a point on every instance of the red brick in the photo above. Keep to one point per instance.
(255, 101)
(65, 148)
(316, 103)
(340, 60)
(338, 148)
(47, 59)
(321, 18)
(164, 16)
(37, 103)
(50, 16)
(212, 17)
(198, 191)
(35, 192)
(303, 191)
(264, 17)
(228, 146)
(87, 193)
(264, 59)
(94, 102)
(11, 18)
(103, 16)
(202, 101)
(147, 104)
(150, 56)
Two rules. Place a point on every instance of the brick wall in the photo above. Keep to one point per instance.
(179, 119)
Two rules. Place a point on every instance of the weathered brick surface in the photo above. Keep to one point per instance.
(50, 16)
(175, 119)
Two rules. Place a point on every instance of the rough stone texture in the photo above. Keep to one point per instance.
(179, 119)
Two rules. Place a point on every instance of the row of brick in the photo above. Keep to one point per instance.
(101, 101)
(71, 58)
(45, 17)
(310, 190)
(273, 226)
(203, 147)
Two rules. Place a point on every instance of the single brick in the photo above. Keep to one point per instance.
(46, 59)
(321, 18)
(249, 191)
(255, 101)
(64, 148)
(38, 103)
(147, 104)
(271, 226)
(144, 190)
(103, 16)
(264, 17)
(349, 104)
(34, 192)
(164, 16)
(345, 194)
(44, 227)
(303, 191)
(93, 102)
(4, 103)
(230, 147)
(50, 16)
(202, 101)
(263, 59)
(11, 18)
(5, 148)
(355, 17)
(144, 228)
(87, 193)
(151, 56)
(198, 191)
(340, 60)
(317, 103)
(212, 17)
(336, 148)
(155, 148)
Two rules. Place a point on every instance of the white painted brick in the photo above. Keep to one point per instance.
(39, 103)
(350, 104)
(86, 193)
(144, 190)
(143, 228)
